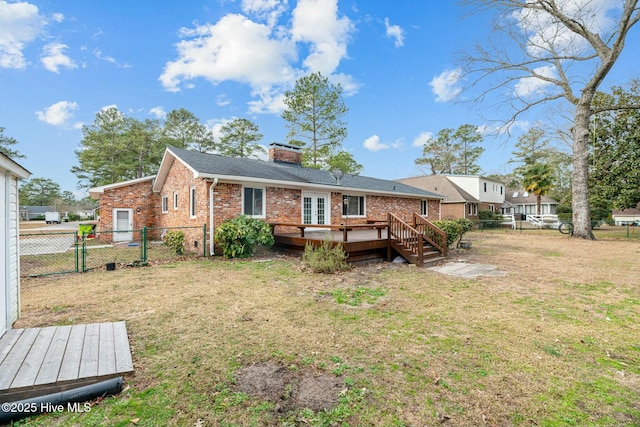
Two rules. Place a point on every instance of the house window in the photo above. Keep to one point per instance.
(165, 204)
(424, 208)
(353, 205)
(254, 201)
(492, 208)
(473, 209)
(175, 200)
(485, 187)
(501, 190)
(192, 202)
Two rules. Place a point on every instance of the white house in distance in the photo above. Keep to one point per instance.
(521, 202)
(489, 192)
(626, 216)
(10, 173)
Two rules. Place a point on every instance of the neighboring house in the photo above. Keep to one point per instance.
(472, 192)
(10, 173)
(27, 213)
(489, 192)
(520, 202)
(457, 203)
(195, 189)
(626, 216)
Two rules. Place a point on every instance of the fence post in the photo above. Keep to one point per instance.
(143, 245)
(77, 253)
(204, 240)
(84, 251)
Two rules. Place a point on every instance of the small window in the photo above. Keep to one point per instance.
(485, 187)
(515, 194)
(175, 200)
(165, 204)
(424, 208)
(525, 194)
(353, 205)
(501, 190)
(254, 201)
(492, 208)
(192, 202)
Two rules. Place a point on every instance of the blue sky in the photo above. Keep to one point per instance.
(63, 61)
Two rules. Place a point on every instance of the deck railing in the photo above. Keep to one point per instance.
(406, 238)
(432, 234)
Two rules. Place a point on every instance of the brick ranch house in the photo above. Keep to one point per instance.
(193, 188)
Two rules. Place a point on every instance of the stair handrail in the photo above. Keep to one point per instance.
(435, 236)
(407, 236)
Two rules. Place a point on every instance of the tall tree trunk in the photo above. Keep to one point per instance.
(580, 188)
(539, 203)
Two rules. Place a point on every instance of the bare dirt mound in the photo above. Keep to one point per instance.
(289, 389)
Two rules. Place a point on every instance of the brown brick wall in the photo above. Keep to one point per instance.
(180, 179)
(138, 197)
(453, 210)
(288, 155)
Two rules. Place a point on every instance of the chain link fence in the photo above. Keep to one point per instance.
(45, 253)
(601, 229)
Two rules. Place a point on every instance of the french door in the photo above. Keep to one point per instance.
(315, 208)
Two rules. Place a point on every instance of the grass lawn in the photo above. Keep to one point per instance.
(555, 342)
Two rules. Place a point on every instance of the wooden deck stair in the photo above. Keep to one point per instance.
(421, 243)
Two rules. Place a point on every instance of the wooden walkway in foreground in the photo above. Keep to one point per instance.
(40, 361)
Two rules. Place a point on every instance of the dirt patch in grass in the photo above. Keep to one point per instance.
(289, 389)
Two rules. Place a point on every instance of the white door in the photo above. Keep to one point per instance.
(315, 209)
(122, 225)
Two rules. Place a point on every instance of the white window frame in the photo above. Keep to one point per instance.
(193, 213)
(424, 207)
(175, 200)
(364, 206)
(165, 203)
(264, 201)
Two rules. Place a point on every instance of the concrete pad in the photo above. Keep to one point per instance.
(468, 271)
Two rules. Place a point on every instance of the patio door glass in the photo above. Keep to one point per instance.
(314, 208)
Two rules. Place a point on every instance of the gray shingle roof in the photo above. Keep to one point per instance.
(206, 164)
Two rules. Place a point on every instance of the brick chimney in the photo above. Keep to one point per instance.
(283, 153)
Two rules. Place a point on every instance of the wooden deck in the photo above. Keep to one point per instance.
(361, 242)
(40, 361)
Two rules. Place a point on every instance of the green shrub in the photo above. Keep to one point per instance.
(455, 228)
(174, 239)
(238, 236)
(489, 219)
(451, 227)
(326, 258)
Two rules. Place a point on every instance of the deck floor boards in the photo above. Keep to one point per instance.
(38, 361)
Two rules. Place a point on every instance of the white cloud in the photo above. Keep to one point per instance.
(58, 17)
(502, 129)
(58, 113)
(222, 100)
(98, 54)
(268, 10)
(445, 87)
(395, 32)
(20, 24)
(529, 86)
(53, 57)
(546, 32)
(235, 48)
(317, 23)
(158, 112)
(373, 144)
(422, 139)
(262, 54)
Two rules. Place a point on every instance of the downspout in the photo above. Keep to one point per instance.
(211, 226)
